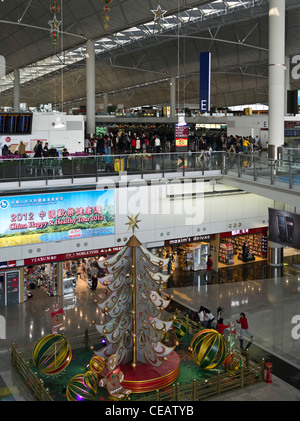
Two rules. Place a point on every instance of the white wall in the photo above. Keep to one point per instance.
(71, 136)
(249, 126)
(161, 219)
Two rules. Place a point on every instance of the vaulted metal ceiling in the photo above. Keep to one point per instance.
(134, 60)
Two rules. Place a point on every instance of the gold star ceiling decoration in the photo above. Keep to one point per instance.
(159, 14)
(133, 221)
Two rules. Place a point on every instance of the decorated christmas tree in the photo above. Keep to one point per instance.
(133, 309)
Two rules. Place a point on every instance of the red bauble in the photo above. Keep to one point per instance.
(54, 8)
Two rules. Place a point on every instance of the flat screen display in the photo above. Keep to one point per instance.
(15, 123)
(284, 228)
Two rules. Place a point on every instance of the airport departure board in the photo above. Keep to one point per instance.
(15, 123)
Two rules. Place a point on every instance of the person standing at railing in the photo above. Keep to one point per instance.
(157, 144)
(21, 149)
(133, 144)
(86, 144)
(38, 149)
(46, 150)
(138, 145)
(246, 145)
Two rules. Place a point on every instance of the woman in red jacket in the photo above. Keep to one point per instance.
(221, 327)
(244, 327)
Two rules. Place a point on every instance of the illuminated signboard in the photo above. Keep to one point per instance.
(181, 136)
(55, 217)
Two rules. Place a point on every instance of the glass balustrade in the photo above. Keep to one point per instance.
(250, 166)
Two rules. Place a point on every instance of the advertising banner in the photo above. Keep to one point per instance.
(55, 217)
(284, 228)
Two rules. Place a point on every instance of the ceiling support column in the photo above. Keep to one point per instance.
(90, 88)
(173, 97)
(105, 102)
(16, 90)
(276, 76)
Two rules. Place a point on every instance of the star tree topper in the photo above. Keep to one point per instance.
(133, 221)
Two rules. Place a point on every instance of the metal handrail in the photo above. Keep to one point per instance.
(185, 164)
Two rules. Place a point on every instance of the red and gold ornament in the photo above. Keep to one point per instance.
(106, 10)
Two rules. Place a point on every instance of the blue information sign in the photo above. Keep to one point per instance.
(205, 72)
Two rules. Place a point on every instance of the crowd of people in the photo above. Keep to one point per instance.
(145, 141)
(149, 142)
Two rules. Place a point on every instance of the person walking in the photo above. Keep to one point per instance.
(208, 273)
(94, 282)
(157, 144)
(244, 328)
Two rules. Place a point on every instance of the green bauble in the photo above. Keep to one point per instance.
(52, 354)
(179, 325)
(208, 349)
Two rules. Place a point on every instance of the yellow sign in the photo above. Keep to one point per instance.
(181, 142)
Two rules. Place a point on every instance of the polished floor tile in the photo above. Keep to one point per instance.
(270, 304)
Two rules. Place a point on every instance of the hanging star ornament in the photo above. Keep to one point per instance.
(133, 221)
(55, 24)
(159, 14)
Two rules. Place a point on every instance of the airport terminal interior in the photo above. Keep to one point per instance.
(150, 187)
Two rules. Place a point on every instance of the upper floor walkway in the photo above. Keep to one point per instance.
(253, 172)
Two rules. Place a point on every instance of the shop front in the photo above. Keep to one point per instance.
(63, 274)
(243, 246)
(190, 253)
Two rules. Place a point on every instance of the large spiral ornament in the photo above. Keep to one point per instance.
(233, 362)
(78, 390)
(97, 365)
(208, 348)
(180, 325)
(52, 354)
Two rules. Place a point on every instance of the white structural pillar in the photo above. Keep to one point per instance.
(90, 88)
(16, 90)
(276, 75)
(275, 250)
(173, 97)
(287, 82)
(105, 102)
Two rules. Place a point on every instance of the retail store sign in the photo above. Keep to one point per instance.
(186, 240)
(71, 256)
(7, 265)
(57, 216)
(239, 232)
